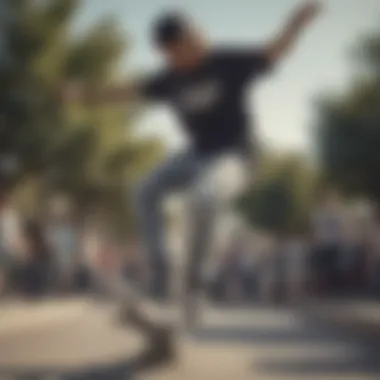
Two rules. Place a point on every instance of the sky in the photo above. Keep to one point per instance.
(283, 104)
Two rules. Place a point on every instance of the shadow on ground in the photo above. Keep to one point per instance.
(116, 371)
(356, 357)
(307, 332)
(363, 365)
(122, 370)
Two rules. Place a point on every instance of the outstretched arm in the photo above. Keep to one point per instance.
(302, 17)
(82, 93)
(153, 88)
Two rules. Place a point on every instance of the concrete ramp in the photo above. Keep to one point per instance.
(67, 335)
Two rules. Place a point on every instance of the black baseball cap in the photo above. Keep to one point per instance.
(170, 28)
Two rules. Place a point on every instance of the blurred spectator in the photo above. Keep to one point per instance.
(63, 235)
(279, 262)
(238, 270)
(248, 271)
(110, 259)
(133, 263)
(373, 260)
(88, 253)
(97, 253)
(226, 276)
(10, 229)
(297, 251)
(3, 282)
(94, 244)
(34, 272)
(215, 280)
(266, 248)
(327, 228)
(352, 256)
(11, 240)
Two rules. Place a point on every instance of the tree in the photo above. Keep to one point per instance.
(88, 153)
(348, 130)
(279, 201)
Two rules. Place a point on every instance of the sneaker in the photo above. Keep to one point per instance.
(161, 350)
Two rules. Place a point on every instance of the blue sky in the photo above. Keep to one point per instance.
(283, 102)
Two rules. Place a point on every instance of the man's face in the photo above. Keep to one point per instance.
(186, 52)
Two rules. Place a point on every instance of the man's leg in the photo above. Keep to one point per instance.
(175, 173)
(202, 213)
(202, 208)
(209, 202)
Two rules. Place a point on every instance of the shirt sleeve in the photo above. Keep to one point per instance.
(247, 64)
(154, 88)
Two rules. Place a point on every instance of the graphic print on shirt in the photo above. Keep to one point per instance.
(200, 97)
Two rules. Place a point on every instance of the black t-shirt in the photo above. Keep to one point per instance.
(210, 100)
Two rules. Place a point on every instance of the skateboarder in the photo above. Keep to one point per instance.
(205, 86)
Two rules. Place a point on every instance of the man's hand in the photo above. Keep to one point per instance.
(306, 13)
(91, 95)
(72, 92)
(75, 92)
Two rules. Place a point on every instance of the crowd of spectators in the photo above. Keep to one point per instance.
(339, 256)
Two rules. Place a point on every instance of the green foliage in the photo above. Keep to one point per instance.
(88, 153)
(348, 130)
(280, 199)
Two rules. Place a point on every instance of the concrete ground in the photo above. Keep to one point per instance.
(358, 316)
(56, 337)
(78, 339)
(267, 343)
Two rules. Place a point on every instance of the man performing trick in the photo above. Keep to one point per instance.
(206, 88)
